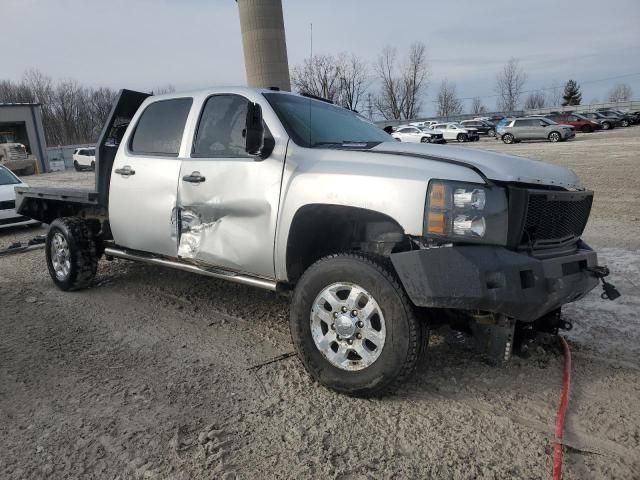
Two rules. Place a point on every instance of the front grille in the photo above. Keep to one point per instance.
(555, 217)
(8, 205)
(17, 153)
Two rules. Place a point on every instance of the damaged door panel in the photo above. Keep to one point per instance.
(228, 201)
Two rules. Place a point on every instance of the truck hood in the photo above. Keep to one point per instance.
(495, 166)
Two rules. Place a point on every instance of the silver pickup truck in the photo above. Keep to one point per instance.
(376, 241)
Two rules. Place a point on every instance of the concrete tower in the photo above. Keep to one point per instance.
(264, 44)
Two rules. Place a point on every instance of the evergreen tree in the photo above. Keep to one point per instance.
(572, 94)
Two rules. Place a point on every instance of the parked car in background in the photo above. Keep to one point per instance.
(536, 128)
(453, 131)
(606, 122)
(580, 123)
(483, 127)
(413, 134)
(84, 158)
(633, 118)
(8, 215)
(500, 124)
(625, 120)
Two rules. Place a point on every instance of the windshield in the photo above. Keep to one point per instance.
(7, 178)
(311, 123)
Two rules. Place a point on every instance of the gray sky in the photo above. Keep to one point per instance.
(196, 43)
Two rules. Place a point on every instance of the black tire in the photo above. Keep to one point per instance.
(507, 138)
(76, 165)
(405, 340)
(555, 137)
(586, 129)
(606, 126)
(491, 132)
(462, 137)
(83, 257)
(625, 123)
(425, 140)
(93, 166)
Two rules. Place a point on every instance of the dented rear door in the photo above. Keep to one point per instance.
(228, 201)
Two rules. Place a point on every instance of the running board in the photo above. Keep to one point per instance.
(221, 274)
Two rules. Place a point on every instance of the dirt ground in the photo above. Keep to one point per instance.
(148, 374)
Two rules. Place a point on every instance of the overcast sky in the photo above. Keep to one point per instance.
(196, 43)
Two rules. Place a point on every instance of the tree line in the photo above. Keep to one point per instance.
(394, 88)
(71, 113)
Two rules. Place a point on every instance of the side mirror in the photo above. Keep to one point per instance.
(254, 129)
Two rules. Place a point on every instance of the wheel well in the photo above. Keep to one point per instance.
(319, 230)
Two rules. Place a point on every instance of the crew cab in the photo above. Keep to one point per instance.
(413, 134)
(376, 241)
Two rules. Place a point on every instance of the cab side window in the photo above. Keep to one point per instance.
(160, 128)
(221, 129)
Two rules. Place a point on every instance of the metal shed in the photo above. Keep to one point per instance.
(24, 122)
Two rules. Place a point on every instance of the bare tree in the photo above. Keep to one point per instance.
(447, 100)
(477, 106)
(554, 95)
(402, 88)
(620, 93)
(318, 76)
(353, 80)
(535, 100)
(161, 90)
(414, 79)
(390, 101)
(510, 83)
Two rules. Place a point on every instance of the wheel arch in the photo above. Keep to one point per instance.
(321, 229)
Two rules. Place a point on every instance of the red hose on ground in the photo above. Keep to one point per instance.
(562, 411)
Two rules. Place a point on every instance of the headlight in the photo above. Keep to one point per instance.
(466, 212)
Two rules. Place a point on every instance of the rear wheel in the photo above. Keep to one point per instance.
(606, 126)
(507, 138)
(625, 123)
(491, 133)
(462, 137)
(72, 259)
(554, 137)
(353, 326)
(93, 166)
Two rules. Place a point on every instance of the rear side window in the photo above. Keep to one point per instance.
(160, 128)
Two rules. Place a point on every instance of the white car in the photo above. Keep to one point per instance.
(418, 135)
(453, 131)
(84, 158)
(8, 215)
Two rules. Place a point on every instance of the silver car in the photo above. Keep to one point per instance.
(536, 128)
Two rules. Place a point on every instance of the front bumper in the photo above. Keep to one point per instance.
(495, 279)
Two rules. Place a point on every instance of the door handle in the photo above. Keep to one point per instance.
(125, 171)
(195, 177)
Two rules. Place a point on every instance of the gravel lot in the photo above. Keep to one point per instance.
(148, 373)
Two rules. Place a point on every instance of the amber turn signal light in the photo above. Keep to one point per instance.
(436, 223)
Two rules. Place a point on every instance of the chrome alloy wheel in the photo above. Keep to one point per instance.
(60, 256)
(347, 326)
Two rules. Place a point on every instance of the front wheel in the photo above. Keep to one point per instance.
(76, 165)
(491, 133)
(71, 253)
(462, 137)
(353, 326)
(586, 129)
(554, 137)
(606, 126)
(425, 140)
(625, 123)
(507, 138)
